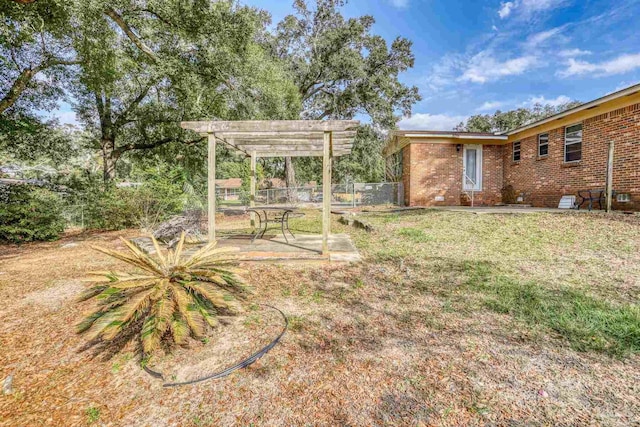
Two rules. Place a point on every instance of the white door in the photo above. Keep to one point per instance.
(472, 167)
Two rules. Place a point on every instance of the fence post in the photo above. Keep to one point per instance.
(353, 193)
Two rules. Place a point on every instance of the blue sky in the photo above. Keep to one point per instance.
(478, 56)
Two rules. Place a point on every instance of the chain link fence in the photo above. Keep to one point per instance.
(352, 194)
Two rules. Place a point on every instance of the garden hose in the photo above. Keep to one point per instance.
(243, 364)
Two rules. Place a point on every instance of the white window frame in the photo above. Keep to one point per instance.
(540, 144)
(513, 151)
(573, 143)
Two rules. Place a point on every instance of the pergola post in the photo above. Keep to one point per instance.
(211, 186)
(252, 188)
(326, 192)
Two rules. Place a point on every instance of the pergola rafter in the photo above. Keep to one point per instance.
(279, 138)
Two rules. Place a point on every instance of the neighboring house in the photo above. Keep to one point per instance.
(542, 161)
(229, 189)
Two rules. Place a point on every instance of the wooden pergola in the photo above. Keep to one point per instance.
(279, 138)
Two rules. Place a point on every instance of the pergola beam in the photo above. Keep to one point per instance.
(283, 135)
(301, 147)
(271, 126)
(242, 142)
(300, 154)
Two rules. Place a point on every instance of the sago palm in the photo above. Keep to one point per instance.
(172, 297)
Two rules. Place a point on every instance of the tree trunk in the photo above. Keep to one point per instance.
(109, 159)
(290, 179)
(19, 85)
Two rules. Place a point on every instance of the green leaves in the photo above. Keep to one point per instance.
(340, 68)
(508, 120)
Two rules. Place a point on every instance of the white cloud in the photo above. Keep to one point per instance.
(572, 53)
(538, 38)
(494, 28)
(526, 8)
(490, 106)
(505, 9)
(443, 74)
(426, 121)
(483, 67)
(554, 102)
(620, 65)
(400, 4)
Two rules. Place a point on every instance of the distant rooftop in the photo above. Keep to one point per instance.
(230, 183)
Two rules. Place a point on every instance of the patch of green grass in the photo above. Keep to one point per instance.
(296, 323)
(588, 323)
(317, 296)
(122, 360)
(202, 421)
(93, 414)
(416, 235)
(252, 320)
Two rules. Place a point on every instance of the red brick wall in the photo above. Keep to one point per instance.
(545, 180)
(435, 169)
(406, 174)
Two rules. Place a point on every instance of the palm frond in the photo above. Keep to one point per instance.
(91, 292)
(189, 311)
(178, 251)
(125, 313)
(208, 292)
(179, 331)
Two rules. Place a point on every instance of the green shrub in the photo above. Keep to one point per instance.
(29, 213)
(119, 208)
(111, 209)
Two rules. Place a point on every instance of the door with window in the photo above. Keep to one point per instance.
(472, 167)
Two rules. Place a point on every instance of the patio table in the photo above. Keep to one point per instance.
(279, 215)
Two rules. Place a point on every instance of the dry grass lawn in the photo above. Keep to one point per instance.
(453, 319)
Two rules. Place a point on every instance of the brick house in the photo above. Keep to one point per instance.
(542, 161)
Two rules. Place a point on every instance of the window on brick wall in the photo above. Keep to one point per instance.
(573, 143)
(516, 151)
(543, 145)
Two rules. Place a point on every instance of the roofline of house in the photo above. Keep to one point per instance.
(631, 90)
(453, 135)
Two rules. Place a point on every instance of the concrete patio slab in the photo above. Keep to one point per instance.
(302, 248)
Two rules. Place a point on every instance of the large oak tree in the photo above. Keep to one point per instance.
(341, 69)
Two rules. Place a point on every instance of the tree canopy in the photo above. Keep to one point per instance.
(132, 70)
(503, 121)
(343, 71)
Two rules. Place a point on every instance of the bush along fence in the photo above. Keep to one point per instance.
(29, 213)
